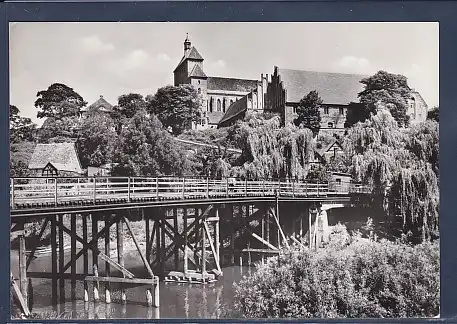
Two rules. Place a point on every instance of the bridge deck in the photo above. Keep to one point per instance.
(30, 195)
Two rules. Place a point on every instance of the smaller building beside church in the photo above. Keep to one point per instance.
(55, 159)
(100, 105)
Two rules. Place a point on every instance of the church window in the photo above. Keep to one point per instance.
(198, 81)
(231, 101)
(223, 105)
(218, 104)
(211, 105)
(341, 111)
(199, 90)
(326, 110)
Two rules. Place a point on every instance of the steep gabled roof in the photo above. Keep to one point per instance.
(231, 84)
(333, 88)
(61, 155)
(333, 143)
(101, 104)
(192, 54)
(197, 72)
(235, 109)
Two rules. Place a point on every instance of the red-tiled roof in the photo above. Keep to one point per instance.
(333, 88)
(62, 155)
(230, 84)
(197, 72)
(191, 54)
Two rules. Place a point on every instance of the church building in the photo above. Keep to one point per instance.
(226, 100)
(217, 93)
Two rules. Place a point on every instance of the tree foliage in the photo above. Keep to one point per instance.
(129, 104)
(401, 165)
(20, 154)
(59, 101)
(176, 107)
(354, 278)
(269, 151)
(434, 114)
(144, 148)
(96, 139)
(21, 128)
(387, 90)
(308, 112)
(59, 130)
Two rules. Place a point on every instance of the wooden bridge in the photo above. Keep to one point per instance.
(191, 226)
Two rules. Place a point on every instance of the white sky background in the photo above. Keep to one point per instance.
(112, 59)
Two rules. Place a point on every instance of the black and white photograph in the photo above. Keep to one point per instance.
(174, 170)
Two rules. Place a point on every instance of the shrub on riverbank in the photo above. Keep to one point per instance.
(359, 279)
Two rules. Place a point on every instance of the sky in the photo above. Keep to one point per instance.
(112, 59)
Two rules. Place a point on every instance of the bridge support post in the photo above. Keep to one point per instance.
(186, 265)
(61, 262)
(54, 259)
(96, 285)
(73, 255)
(120, 251)
(108, 254)
(176, 248)
(23, 266)
(85, 258)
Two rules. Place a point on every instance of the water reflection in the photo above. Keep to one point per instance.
(177, 300)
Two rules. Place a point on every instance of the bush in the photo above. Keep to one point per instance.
(359, 279)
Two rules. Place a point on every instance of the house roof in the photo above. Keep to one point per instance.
(329, 146)
(230, 84)
(333, 88)
(235, 109)
(192, 54)
(63, 156)
(101, 104)
(197, 72)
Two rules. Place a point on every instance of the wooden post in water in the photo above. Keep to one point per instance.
(203, 248)
(176, 248)
(73, 255)
(158, 243)
(85, 258)
(61, 262)
(120, 251)
(232, 239)
(277, 216)
(108, 254)
(54, 259)
(217, 238)
(148, 238)
(96, 284)
(309, 229)
(186, 265)
(162, 244)
(23, 266)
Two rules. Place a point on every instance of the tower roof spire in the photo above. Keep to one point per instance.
(187, 43)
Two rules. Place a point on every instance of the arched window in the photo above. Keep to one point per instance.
(223, 105)
(211, 105)
(218, 104)
(231, 101)
(199, 90)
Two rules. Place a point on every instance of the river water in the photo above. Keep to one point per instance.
(177, 300)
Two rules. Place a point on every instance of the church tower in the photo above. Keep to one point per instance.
(190, 68)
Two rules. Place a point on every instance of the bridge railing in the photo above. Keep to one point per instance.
(59, 190)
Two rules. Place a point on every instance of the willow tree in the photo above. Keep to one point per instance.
(399, 164)
(270, 151)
